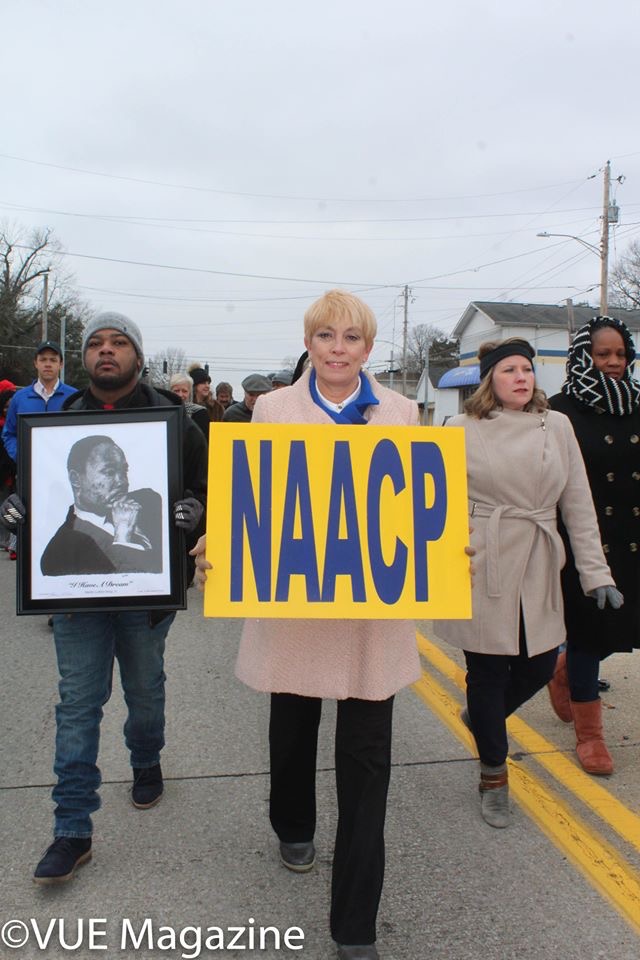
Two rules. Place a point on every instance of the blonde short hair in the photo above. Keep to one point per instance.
(181, 378)
(340, 305)
(483, 400)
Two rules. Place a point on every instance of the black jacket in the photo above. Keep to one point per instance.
(610, 448)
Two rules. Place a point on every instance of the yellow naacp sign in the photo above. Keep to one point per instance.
(337, 521)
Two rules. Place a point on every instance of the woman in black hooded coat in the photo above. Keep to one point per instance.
(602, 400)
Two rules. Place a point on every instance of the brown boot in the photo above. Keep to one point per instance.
(558, 688)
(590, 746)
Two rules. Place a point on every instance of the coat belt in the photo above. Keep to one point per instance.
(540, 518)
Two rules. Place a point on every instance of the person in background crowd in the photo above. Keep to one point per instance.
(46, 394)
(224, 394)
(7, 467)
(87, 643)
(254, 386)
(182, 385)
(523, 463)
(359, 663)
(602, 401)
(281, 379)
(202, 393)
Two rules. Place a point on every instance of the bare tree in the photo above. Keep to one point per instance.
(164, 364)
(624, 279)
(425, 339)
(24, 261)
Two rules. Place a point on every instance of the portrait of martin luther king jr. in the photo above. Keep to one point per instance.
(108, 529)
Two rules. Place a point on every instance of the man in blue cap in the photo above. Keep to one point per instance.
(46, 394)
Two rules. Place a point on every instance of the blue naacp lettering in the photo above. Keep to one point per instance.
(343, 555)
(297, 554)
(244, 513)
(388, 579)
(428, 522)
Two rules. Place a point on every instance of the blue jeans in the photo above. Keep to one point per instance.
(86, 645)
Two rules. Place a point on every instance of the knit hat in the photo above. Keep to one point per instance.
(199, 375)
(114, 321)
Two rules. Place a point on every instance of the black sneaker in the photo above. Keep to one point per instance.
(299, 857)
(147, 787)
(61, 859)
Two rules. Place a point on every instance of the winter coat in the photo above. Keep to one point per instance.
(520, 468)
(28, 401)
(367, 659)
(610, 447)
(238, 413)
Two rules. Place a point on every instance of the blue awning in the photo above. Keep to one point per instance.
(467, 376)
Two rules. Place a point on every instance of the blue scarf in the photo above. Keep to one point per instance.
(353, 412)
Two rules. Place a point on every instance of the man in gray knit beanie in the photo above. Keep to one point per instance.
(114, 321)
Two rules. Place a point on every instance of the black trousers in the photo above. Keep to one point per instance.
(363, 766)
(496, 687)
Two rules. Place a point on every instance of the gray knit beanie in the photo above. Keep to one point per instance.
(114, 321)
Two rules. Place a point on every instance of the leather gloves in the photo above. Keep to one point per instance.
(12, 512)
(187, 512)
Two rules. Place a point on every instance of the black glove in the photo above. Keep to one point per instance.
(12, 512)
(187, 513)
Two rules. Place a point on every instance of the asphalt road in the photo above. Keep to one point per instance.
(561, 882)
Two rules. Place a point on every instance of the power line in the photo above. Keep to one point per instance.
(267, 196)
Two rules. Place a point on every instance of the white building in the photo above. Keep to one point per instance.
(546, 327)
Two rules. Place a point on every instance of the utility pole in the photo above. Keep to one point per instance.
(571, 320)
(427, 385)
(45, 304)
(604, 243)
(405, 325)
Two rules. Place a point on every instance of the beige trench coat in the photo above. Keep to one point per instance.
(520, 468)
(367, 659)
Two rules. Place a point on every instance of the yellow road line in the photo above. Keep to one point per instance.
(619, 817)
(598, 861)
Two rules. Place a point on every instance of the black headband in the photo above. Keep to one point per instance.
(518, 348)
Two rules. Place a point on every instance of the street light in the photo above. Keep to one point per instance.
(600, 254)
(392, 369)
(570, 236)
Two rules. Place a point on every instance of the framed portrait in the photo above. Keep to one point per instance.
(98, 489)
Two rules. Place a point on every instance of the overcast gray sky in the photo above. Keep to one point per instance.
(244, 156)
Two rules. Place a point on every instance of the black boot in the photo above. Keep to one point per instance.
(61, 859)
(147, 786)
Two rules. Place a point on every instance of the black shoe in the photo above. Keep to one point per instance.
(603, 685)
(147, 787)
(299, 857)
(62, 858)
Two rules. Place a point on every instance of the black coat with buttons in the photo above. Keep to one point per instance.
(610, 446)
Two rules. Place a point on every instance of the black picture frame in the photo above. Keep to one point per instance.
(67, 561)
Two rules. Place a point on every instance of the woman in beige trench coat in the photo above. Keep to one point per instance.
(523, 462)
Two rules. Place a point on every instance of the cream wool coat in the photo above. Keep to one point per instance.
(520, 467)
(366, 659)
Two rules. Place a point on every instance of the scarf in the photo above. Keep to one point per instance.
(593, 387)
(354, 411)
